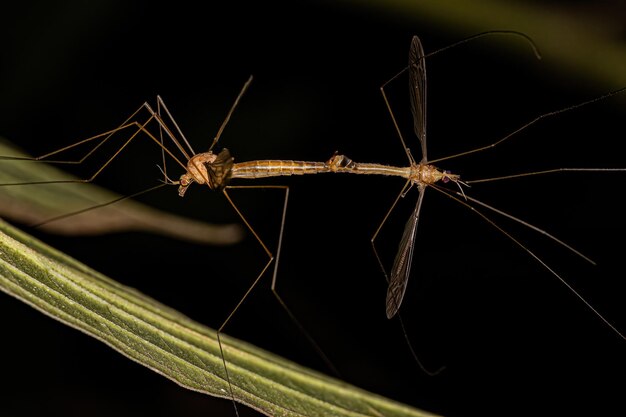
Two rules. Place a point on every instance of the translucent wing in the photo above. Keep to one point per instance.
(220, 170)
(417, 91)
(402, 264)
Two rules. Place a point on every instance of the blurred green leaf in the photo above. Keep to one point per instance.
(35, 204)
(577, 44)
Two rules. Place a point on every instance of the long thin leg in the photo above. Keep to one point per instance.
(395, 123)
(161, 103)
(528, 124)
(248, 291)
(163, 128)
(271, 259)
(230, 112)
(401, 194)
(104, 137)
(531, 253)
(527, 38)
(530, 226)
(291, 315)
(544, 172)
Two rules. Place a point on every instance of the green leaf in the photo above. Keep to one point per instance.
(38, 203)
(171, 344)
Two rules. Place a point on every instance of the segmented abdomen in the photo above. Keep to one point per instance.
(276, 168)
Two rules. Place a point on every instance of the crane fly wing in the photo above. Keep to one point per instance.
(219, 171)
(402, 264)
(417, 91)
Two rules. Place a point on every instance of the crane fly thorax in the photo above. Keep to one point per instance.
(429, 174)
(196, 171)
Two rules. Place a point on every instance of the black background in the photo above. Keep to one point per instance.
(514, 340)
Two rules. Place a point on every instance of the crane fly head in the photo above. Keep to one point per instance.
(185, 181)
(447, 176)
(201, 169)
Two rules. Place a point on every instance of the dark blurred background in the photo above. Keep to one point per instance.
(515, 341)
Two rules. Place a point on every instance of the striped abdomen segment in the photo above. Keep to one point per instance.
(276, 168)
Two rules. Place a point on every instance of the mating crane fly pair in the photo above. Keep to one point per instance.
(216, 170)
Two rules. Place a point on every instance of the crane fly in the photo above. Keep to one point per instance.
(401, 268)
